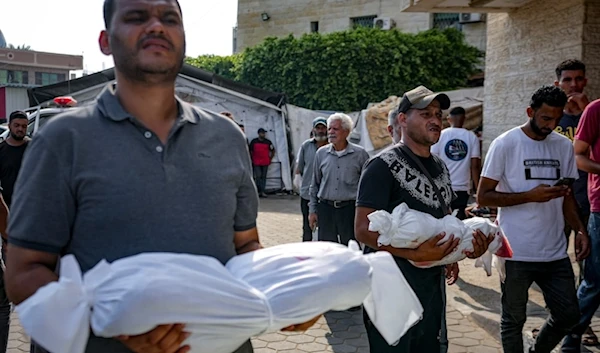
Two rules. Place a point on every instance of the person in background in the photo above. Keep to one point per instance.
(228, 114)
(12, 151)
(262, 152)
(394, 127)
(304, 170)
(336, 171)
(521, 176)
(459, 149)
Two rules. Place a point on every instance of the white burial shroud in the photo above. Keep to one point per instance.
(222, 306)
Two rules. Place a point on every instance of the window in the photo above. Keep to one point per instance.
(364, 21)
(13, 76)
(314, 27)
(446, 20)
(45, 78)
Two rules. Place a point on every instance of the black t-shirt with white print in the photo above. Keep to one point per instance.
(389, 180)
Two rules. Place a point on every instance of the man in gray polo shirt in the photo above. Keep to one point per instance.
(336, 172)
(137, 171)
(304, 168)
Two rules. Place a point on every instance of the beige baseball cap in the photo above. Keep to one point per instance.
(420, 98)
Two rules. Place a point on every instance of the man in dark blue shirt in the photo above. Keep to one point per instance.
(570, 77)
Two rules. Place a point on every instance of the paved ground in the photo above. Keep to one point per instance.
(473, 304)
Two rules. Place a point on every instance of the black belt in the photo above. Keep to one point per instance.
(338, 204)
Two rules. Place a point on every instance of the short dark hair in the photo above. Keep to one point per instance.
(569, 65)
(549, 95)
(109, 11)
(458, 111)
(17, 114)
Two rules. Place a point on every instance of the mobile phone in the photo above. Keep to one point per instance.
(565, 181)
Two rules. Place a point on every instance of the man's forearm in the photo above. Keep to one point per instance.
(500, 199)
(572, 214)
(587, 165)
(370, 239)
(23, 285)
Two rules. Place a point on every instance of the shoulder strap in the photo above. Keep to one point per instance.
(419, 164)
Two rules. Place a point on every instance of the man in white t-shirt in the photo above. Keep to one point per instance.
(459, 149)
(520, 171)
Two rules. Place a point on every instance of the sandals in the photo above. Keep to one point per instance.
(589, 338)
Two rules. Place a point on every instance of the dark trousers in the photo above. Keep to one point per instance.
(557, 282)
(336, 221)
(589, 289)
(306, 231)
(4, 308)
(260, 177)
(460, 203)
(424, 337)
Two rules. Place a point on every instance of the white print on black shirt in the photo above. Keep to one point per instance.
(417, 184)
(542, 169)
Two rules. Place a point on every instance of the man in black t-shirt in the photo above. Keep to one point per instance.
(391, 178)
(11, 153)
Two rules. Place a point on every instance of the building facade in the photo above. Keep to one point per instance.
(258, 20)
(22, 69)
(526, 40)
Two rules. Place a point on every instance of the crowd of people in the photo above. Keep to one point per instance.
(175, 190)
(536, 174)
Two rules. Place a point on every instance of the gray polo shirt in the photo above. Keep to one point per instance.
(306, 156)
(335, 177)
(96, 184)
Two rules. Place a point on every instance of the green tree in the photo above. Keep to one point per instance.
(19, 47)
(225, 66)
(345, 71)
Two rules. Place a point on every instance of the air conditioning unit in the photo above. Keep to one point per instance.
(384, 23)
(472, 17)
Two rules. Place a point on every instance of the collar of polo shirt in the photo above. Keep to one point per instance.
(111, 108)
(349, 148)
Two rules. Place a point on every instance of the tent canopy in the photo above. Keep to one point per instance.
(251, 110)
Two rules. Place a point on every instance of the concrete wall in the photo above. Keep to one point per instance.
(294, 17)
(523, 49)
(591, 47)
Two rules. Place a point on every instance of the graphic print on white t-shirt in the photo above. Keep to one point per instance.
(542, 169)
(535, 230)
(456, 147)
(456, 150)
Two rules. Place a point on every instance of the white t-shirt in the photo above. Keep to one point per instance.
(456, 147)
(519, 164)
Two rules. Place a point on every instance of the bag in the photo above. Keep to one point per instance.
(221, 306)
(407, 228)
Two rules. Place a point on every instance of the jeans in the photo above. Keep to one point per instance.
(260, 177)
(306, 231)
(557, 282)
(589, 289)
(460, 204)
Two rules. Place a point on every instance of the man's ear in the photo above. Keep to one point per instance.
(402, 117)
(104, 43)
(556, 83)
(530, 112)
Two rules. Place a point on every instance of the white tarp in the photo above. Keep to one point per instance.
(251, 112)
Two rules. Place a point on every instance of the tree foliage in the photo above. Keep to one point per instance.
(19, 47)
(225, 66)
(345, 71)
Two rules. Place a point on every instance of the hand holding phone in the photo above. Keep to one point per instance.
(565, 181)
